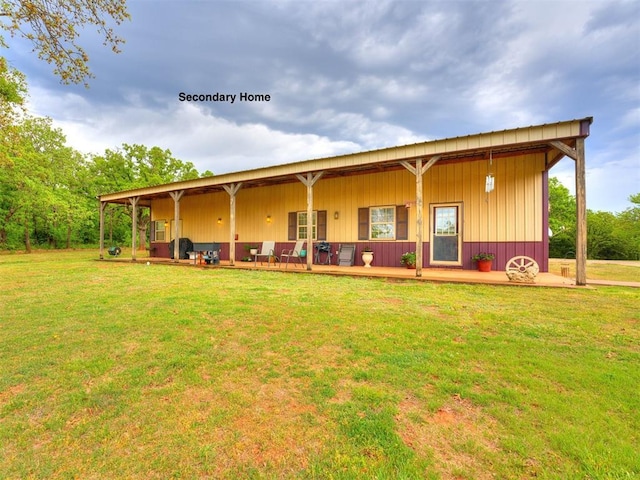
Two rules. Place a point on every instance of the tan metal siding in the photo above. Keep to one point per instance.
(512, 212)
(199, 215)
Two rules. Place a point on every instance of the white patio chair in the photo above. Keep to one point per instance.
(292, 253)
(267, 250)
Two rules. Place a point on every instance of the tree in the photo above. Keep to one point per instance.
(54, 26)
(601, 242)
(562, 220)
(48, 190)
(38, 191)
(628, 228)
(135, 166)
(42, 196)
(13, 91)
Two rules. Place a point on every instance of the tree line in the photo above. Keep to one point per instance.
(610, 236)
(48, 190)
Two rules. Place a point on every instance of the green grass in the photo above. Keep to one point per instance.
(601, 269)
(120, 370)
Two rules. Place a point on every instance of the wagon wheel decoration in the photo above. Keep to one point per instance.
(522, 269)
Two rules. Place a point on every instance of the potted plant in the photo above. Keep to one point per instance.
(408, 259)
(484, 261)
(251, 249)
(367, 256)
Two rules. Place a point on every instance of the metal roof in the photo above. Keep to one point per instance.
(511, 142)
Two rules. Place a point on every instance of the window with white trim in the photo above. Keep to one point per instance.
(382, 223)
(303, 225)
(159, 232)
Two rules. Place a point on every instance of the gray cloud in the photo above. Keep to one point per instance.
(352, 75)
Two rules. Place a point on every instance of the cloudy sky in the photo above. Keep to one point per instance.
(347, 76)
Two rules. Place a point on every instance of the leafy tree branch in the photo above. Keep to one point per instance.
(54, 26)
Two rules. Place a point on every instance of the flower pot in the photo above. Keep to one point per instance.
(411, 266)
(367, 258)
(253, 251)
(484, 265)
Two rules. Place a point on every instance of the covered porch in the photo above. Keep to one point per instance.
(536, 147)
(446, 275)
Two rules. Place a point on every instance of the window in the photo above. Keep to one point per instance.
(297, 225)
(382, 221)
(446, 220)
(303, 225)
(159, 233)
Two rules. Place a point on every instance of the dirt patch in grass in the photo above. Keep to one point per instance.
(394, 301)
(459, 436)
(344, 392)
(272, 428)
(9, 393)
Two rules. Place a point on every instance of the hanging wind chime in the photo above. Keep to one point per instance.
(488, 184)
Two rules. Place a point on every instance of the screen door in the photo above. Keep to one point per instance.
(446, 240)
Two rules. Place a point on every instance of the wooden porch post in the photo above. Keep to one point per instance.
(232, 190)
(578, 154)
(176, 223)
(581, 214)
(134, 226)
(309, 182)
(102, 207)
(419, 171)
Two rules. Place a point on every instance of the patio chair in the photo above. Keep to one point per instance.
(267, 250)
(346, 254)
(295, 252)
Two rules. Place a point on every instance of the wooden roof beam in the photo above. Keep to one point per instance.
(564, 149)
(554, 161)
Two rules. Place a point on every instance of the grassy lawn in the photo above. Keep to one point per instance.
(120, 370)
(600, 270)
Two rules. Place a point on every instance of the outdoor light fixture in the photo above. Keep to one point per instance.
(336, 215)
(219, 220)
(268, 218)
